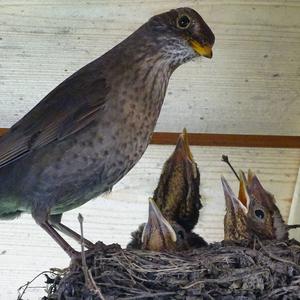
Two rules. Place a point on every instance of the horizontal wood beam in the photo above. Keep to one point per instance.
(2, 131)
(227, 140)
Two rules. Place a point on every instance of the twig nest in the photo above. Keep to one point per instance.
(218, 271)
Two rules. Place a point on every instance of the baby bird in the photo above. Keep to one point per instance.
(254, 213)
(263, 218)
(177, 194)
(160, 235)
(176, 202)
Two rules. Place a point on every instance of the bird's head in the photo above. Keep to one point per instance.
(182, 34)
(159, 234)
(235, 225)
(264, 217)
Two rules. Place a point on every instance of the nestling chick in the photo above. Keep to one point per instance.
(254, 213)
(160, 235)
(177, 204)
(263, 218)
(177, 194)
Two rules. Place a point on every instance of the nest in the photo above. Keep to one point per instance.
(268, 270)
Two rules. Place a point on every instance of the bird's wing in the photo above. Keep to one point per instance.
(70, 107)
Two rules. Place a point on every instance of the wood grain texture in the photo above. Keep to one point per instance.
(27, 250)
(251, 86)
(228, 140)
(2, 131)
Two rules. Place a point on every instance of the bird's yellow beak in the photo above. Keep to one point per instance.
(203, 50)
(243, 194)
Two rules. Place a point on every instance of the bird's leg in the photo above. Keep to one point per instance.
(59, 240)
(55, 221)
(73, 234)
(226, 160)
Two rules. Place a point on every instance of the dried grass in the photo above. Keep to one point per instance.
(220, 271)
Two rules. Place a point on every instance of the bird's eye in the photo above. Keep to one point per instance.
(180, 234)
(183, 22)
(259, 214)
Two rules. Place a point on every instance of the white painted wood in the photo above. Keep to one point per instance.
(238, 91)
(294, 216)
(250, 86)
(111, 218)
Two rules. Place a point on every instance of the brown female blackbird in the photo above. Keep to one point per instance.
(87, 133)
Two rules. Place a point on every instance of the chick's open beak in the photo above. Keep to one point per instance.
(232, 202)
(243, 194)
(230, 199)
(157, 226)
(202, 50)
(183, 145)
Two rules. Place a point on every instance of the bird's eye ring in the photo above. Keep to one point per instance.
(183, 22)
(180, 234)
(259, 214)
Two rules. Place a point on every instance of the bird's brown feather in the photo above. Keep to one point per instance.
(73, 105)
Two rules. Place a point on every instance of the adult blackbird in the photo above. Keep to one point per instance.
(91, 130)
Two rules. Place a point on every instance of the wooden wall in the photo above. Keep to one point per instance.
(251, 86)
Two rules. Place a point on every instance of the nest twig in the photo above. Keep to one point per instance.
(221, 270)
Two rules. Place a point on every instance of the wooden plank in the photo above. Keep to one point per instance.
(251, 86)
(228, 140)
(2, 131)
(294, 216)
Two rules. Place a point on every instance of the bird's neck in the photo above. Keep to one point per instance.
(144, 70)
(140, 78)
(143, 51)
